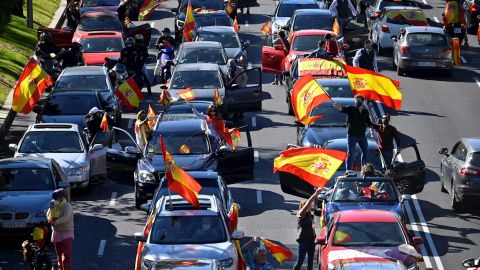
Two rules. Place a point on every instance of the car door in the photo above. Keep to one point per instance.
(447, 165)
(376, 25)
(98, 158)
(238, 165)
(459, 160)
(411, 171)
(121, 161)
(145, 30)
(248, 98)
(272, 57)
(61, 38)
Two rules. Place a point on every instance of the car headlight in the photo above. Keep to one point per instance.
(412, 267)
(330, 266)
(314, 145)
(180, 24)
(146, 176)
(79, 170)
(147, 264)
(227, 262)
(42, 213)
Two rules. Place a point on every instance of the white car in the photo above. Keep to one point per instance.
(286, 8)
(391, 20)
(67, 145)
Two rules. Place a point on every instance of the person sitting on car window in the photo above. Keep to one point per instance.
(210, 123)
(345, 194)
(320, 51)
(208, 231)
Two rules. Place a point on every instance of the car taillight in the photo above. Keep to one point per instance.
(405, 49)
(385, 28)
(469, 171)
(474, 8)
(447, 50)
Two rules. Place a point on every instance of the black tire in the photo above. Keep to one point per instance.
(404, 184)
(442, 179)
(139, 201)
(400, 71)
(456, 205)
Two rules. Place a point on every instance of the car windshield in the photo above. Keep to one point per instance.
(372, 191)
(51, 142)
(94, 82)
(331, 117)
(17, 179)
(475, 159)
(306, 43)
(337, 90)
(196, 79)
(202, 21)
(320, 22)
(368, 234)
(228, 40)
(70, 104)
(427, 39)
(101, 45)
(181, 230)
(178, 143)
(203, 4)
(105, 23)
(287, 10)
(396, 3)
(95, 3)
(210, 55)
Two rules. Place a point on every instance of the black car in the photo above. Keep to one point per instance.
(71, 105)
(472, 13)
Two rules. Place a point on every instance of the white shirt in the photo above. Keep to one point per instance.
(205, 126)
(333, 8)
(359, 54)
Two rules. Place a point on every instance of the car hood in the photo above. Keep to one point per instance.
(65, 160)
(233, 53)
(200, 94)
(337, 254)
(25, 201)
(186, 162)
(98, 58)
(217, 251)
(74, 119)
(319, 135)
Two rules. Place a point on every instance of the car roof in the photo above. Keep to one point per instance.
(333, 81)
(95, 14)
(197, 66)
(208, 14)
(367, 216)
(312, 11)
(84, 70)
(201, 44)
(474, 143)
(341, 144)
(204, 175)
(355, 179)
(181, 207)
(102, 34)
(179, 123)
(402, 8)
(25, 162)
(217, 29)
(73, 91)
(53, 127)
(293, 2)
(313, 32)
(424, 29)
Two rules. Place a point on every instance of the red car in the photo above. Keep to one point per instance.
(275, 57)
(94, 21)
(366, 235)
(98, 45)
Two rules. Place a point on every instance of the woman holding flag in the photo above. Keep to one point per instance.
(142, 129)
(209, 123)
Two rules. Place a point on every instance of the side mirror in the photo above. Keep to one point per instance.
(406, 197)
(246, 44)
(345, 47)
(145, 207)
(224, 149)
(299, 124)
(108, 109)
(97, 147)
(393, 37)
(469, 263)
(279, 47)
(174, 10)
(320, 240)
(237, 235)
(271, 14)
(417, 240)
(130, 150)
(13, 147)
(170, 62)
(63, 184)
(443, 151)
(140, 237)
(286, 73)
(163, 86)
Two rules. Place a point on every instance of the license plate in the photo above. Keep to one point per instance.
(14, 224)
(457, 30)
(426, 64)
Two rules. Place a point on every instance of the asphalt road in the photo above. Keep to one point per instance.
(436, 111)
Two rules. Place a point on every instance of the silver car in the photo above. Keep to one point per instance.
(202, 52)
(420, 48)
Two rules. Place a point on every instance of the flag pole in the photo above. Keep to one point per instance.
(322, 89)
(170, 199)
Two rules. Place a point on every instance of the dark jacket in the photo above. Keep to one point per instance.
(305, 229)
(131, 58)
(45, 48)
(357, 122)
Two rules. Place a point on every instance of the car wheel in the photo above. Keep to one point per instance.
(455, 204)
(404, 184)
(139, 201)
(442, 179)
(400, 71)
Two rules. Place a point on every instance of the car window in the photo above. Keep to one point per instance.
(461, 153)
(202, 21)
(212, 55)
(203, 4)
(397, 3)
(287, 10)
(100, 45)
(17, 179)
(369, 234)
(375, 191)
(178, 143)
(269, 39)
(94, 3)
(475, 159)
(228, 40)
(330, 118)
(338, 91)
(306, 43)
(70, 104)
(427, 39)
(312, 22)
(97, 82)
(104, 23)
(201, 79)
(51, 142)
(121, 140)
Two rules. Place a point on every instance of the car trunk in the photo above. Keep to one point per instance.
(427, 52)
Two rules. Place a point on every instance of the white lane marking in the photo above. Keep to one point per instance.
(436, 19)
(101, 248)
(254, 121)
(255, 156)
(477, 80)
(259, 196)
(152, 24)
(411, 218)
(112, 200)
(463, 59)
(423, 223)
(425, 2)
(246, 22)
(249, 65)
(130, 123)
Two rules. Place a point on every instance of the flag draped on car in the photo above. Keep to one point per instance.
(186, 94)
(178, 180)
(104, 124)
(229, 9)
(374, 86)
(267, 28)
(412, 17)
(306, 95)
(189, 23)
(235, 25)
(217, 99)
(336, 27)
(30, 87)
(165, 98)
(280, 253)
(314, 165)
(147, 8)
(129, 93)
(128, 22)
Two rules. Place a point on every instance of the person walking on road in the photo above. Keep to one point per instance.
(259, 259)
(385, 135)
(142, 129)
(366, 58)
(60, 215)
(343, 11)
(92, 120)
(232, 73)
(358, 118)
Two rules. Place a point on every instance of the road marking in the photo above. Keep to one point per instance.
(423, 223)
(477, 80)
(426, 259)
(130, 123)
(254, 121)
(246, 22)
(249, 65)
(112, 200)
(152, 24)
(259, 196)
(436, 19)
(463, 59)
(255, 156)
(101, 248)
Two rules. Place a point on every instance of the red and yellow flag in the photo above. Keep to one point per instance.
(128, 22)
(314, 165)
(104, 124)
(129, 93)
(451, 12)
(151, 114)
(235, 25)
(267, 28)
(189, 24)
(330, 67)
(217, 99)
(231, 136)
(242, 265)
(478, 34)
(306, 95)
(229, 7)
(146, 232)
(233, 218)
(147, 8)
(30, 87)
(455, 44)
(280, 253)
(180, 181)
(165, 98)
(336, 28)
(184, 149)
(186, 94)
(413, 17)
(374, 86)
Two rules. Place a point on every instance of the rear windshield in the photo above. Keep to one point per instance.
(228, 40)
(397, 3)
(318, 22)
(202, 21)
(70, 104)
(287, 10)
(427, 39)
(96, 82)
(210, 55)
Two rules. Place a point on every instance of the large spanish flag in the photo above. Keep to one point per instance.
(104, 124)
(374, 86)
(129, 93)
(178, 180)
(267, 28)
(231, 136)
(189, 23)
(413, 17)
(30, 87)
(314, 165)
(280, 253)
(306, 95)
(186, 94)
(147, 8)
(455, 44)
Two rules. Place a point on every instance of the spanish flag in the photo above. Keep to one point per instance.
(129, 93)
(455, 44)
(231, 136)
(186, 94)
(147, 8)
(104, 124)
(30, 87)
(235, 25)
(189, 24)
(229, 7)
(128, 22)
(165, 98)
(336, 28)
(267, 28)
(374, 86)
(233, 218)
(341, 237)
(151, 114)
(146, 232)
(242, 265)
(451, 12)
(184, 149)
(217, 99)
(306, 95)
(178, 180)
(280, 253)
(314, 165)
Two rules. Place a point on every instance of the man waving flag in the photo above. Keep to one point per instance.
(189, 23)
(306, 95)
